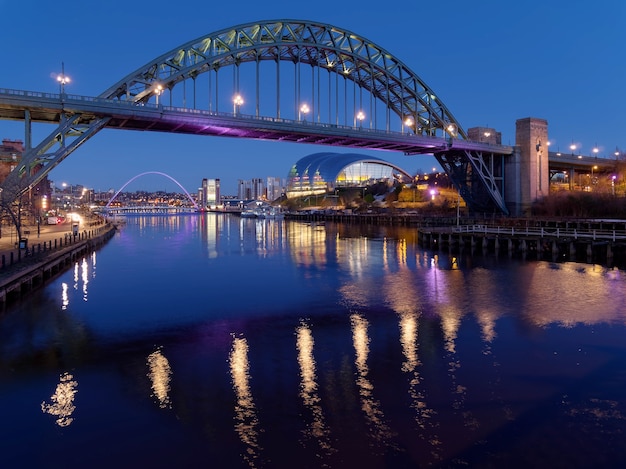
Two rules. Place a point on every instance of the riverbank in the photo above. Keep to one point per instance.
(601, 241)
(37, 263)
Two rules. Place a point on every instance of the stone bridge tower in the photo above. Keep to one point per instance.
(527, 173)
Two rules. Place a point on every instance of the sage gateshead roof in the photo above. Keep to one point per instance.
(320, 173)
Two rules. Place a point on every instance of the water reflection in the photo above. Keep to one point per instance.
(65, 299)
(246, 420)
(316, 427)
(62, 401)
(84, 277)
(443, 356)
(369, 405)
(160, 375)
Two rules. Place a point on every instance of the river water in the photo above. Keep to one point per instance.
(207, 340)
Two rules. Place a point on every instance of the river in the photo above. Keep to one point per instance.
(209, 340)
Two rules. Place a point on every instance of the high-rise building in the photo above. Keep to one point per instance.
(274, 188)
(209, 193)
(213, 193)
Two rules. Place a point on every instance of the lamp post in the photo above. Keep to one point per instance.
(304, 109)
(592, 179)
(62, 79)
(360, 116)
(237, 102)
(613, 184)
(408, 122)
(158, 89)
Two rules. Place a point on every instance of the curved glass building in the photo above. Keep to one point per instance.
(321, 173)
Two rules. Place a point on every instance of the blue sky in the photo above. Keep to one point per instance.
(491, 62)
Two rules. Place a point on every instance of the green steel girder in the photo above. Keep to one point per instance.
(320, 45)
(37, 162)
(474, 175)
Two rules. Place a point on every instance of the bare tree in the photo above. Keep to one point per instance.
(12, 200)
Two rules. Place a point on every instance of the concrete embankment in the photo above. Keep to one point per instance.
(43, 262)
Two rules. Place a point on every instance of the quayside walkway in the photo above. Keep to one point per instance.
(25, 266)
(592, 242)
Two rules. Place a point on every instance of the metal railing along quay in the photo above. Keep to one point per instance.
(42, 261)
(542, 232)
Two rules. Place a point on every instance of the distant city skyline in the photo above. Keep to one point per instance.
(490, 64)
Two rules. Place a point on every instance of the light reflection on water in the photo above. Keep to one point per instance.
(62, 401)
(246, 420)
(405, 355)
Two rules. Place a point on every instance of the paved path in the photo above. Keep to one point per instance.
(44, 234)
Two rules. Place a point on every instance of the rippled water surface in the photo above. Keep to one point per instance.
(214, 341)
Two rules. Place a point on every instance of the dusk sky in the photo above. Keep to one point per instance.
(491, 62)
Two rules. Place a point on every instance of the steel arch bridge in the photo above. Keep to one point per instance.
(305, 82)
(193, 202)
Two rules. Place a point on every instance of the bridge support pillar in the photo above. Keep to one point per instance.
(572, 250)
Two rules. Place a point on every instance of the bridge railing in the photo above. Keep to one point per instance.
(69, 98)
(543, 232)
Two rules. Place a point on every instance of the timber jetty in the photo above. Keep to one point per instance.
(580, 240)
(43, 261)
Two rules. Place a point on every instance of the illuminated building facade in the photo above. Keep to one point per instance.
(321, 173)
(209, 193)
(38, 197)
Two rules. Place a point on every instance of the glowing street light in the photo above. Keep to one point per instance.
(573, 148)
(613, 183)
(158, 89)
(408, 122)
(360, 116)
(237, 102)
(62, 78)
(595, 151)
(304, 109)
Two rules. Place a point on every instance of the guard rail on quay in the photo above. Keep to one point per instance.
(588, 245)
(44, 260)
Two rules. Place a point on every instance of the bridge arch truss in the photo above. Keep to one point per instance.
(361, 77)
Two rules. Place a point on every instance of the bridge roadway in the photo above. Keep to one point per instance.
(128, 115)
(47, 108)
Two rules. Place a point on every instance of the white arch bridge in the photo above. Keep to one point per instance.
(284, 80)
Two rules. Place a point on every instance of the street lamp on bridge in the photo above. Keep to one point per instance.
(62, 78)
(237, 102)
(408, 122)
(304, 109)
(158, 89)
(360, 116)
